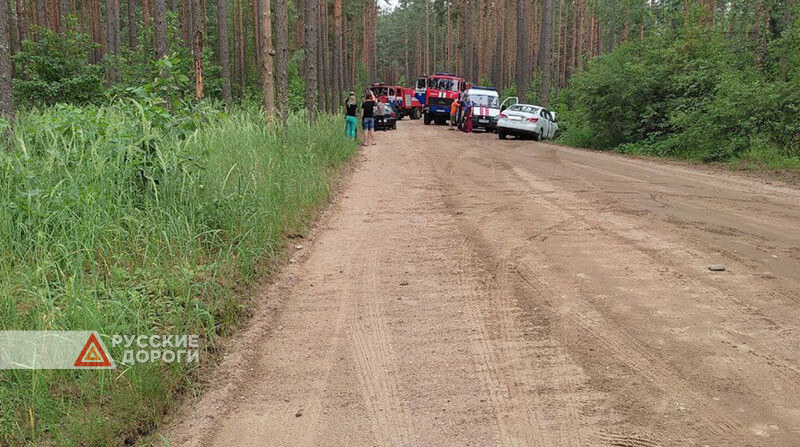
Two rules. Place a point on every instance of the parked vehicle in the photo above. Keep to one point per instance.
(386, 94)
(527, 120)
(386, 120)
(442, 89)
(407, 104)
(402, 100)
(485, 107)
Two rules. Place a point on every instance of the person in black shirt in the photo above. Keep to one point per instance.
(351, 120)
(368, 118)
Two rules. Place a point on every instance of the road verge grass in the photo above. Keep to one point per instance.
(122, 223)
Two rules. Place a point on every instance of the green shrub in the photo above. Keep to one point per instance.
(685, 94)
(56, 69)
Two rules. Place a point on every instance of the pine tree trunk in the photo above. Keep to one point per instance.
(427, 37)
(146, 10)
(282, 58)
(522, 50)
(320, 50)
(6, 97)
(338, 52)
(160, 28)
(328, 65)
(497, 57)
(64, 11)
(544, 50)
(310, 7)
(112, 34)
(22, 28)
(197, 48)
(52, 20)
(574, 55)
(186, 22)
(41, 17)
(223, 49)
(266, 57)
(239, 43)
(256, 38)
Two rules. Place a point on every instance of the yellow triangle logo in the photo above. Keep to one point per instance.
(92, 355)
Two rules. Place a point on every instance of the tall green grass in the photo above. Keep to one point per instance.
(125, 221)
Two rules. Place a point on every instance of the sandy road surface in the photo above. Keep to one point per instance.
(464, 291)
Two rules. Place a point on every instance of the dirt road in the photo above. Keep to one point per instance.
(466, 291)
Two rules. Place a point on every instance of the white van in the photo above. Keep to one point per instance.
(485, 107)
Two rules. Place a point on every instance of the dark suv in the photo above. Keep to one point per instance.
(387, 121)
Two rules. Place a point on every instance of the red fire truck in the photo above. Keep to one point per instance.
(401, 99)
(442, 89)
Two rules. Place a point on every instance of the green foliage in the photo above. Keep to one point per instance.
(297, 85)
(534, 85)
(508, 92)
(122, 219)
(362, 79)
(56, 69)
(686, 94)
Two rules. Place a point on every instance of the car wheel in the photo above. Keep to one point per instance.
(537, 136)
(501, 135)
(427, 119)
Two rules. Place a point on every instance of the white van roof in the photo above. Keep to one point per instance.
(482, 91)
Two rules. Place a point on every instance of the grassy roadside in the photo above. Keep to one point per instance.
(116, 222)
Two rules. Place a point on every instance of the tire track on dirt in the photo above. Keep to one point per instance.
(538, 380)
(373, 355)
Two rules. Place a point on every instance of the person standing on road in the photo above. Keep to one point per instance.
(351, 121)
(368, 118)
(453, 113)
(467, 124)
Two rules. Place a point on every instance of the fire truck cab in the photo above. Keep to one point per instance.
(441, 90)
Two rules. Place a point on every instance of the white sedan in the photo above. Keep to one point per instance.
(526, 120)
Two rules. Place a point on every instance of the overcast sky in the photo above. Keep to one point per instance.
(387, 4)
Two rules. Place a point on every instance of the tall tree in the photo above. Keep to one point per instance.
(112, 33)
(311, 57)
(6, 98)
(522, 50)
(338, 52)
(224, 56)
(545, 41)
(197, 48)
(319, 23)
(266, 57)
(282, 58)
(427, 36)
(41, 15)
(160, 27)
(242, 40)
(22, 27)
(327, 78)
(186, 22)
